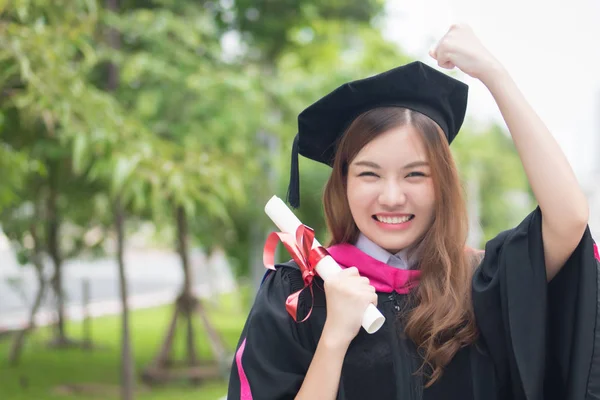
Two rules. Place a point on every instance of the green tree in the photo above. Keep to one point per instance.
(63, 121)
(200, 111)
(489, 157)
(45, 59)
(270, 28)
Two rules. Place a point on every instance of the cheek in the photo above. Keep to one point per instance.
(426, 197)
(352, 194)
(359, 195)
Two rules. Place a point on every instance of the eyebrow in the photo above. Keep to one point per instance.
(371, 164)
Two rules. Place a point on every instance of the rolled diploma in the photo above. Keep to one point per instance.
(287, 222)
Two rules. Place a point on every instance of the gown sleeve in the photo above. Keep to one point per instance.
(543, 337)
(273, 353)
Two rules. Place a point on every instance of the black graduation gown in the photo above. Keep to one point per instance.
(537, 340)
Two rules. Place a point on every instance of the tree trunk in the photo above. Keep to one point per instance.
(127, 367)
(53, 235)
(186, 306)
(87, 323)
(15, 351)
(183, 249)
(187, 296)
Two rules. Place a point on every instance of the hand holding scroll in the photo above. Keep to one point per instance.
(325, 266)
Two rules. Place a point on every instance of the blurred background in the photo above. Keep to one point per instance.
(140, 140)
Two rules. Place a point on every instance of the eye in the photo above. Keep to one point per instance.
(415, 174)
(368, 173)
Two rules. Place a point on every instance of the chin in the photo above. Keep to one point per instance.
(395, 247)
(393, 251)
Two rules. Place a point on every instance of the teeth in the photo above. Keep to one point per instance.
(393, 220)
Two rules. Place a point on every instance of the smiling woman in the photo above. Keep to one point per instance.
(460, 324)
(390, 194)
(394, 184)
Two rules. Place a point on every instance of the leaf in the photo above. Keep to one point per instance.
(216, 208)
(79, 150)
(189, 206)
(123, 169)
(139, 196)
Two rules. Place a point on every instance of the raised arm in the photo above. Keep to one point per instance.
(562, 202)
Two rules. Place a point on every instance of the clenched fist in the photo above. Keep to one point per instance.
(460, 48)
(348, 296)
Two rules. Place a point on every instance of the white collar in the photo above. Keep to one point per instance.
(398, 260)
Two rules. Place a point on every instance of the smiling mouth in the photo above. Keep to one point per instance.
(394, 220)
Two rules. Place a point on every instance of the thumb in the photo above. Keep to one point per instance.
(433, 53)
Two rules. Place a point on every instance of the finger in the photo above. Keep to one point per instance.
(460, 26)
(368, 291)
(374, 299)
(432, 53)
(351, 271)
(441, 55)
(445, 60)
(358, 282)
(360, 285)
(438, 47)
(448, 65)
(454, 27)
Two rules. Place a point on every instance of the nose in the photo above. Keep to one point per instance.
(392, 195)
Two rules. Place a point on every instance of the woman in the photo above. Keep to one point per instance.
(516, 323)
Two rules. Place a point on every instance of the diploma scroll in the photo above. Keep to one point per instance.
(287, 222)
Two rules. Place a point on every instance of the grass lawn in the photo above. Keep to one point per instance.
(42, 370)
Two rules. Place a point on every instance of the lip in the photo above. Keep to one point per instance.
(387, 214)
(393, 227)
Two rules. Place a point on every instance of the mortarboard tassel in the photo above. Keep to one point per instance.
(293, 194)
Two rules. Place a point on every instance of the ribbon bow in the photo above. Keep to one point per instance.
(307, 258)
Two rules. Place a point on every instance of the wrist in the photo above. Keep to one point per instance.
(496, 78)
(333, 340)
(494, 73)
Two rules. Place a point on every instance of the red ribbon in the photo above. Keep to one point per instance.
(307, 258)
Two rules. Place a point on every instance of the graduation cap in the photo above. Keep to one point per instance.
(415, 86)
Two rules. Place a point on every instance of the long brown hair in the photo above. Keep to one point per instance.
(442, 319)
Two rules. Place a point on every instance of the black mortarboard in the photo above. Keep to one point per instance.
(415, 86)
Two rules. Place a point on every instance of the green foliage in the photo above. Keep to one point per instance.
(490, 157)
(272, 27)
(13, 165)
(191, 122)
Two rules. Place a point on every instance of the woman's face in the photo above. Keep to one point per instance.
(390, 190)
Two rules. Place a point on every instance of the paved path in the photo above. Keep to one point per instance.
(154, 278)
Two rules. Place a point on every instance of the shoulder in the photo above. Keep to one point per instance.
(275, 291)
(286, 278)
(276, 286)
